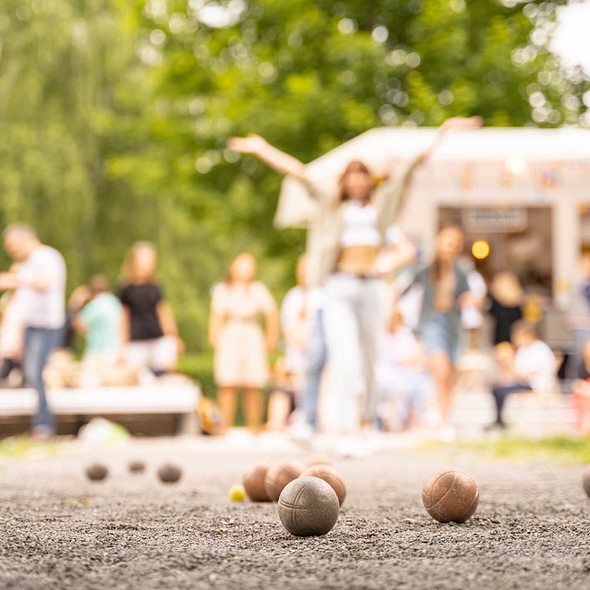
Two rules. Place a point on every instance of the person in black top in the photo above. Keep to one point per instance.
(149, 328)
(506, 304)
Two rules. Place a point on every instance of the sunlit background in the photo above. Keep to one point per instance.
(114, 116)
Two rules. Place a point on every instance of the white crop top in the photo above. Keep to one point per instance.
(360, 227)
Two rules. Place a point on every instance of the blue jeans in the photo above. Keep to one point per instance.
(501, 392)
(38, 344)
(575, 360)
(316, 361)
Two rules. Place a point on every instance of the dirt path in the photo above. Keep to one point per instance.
(532, 529)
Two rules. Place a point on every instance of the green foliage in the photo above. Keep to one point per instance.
(115, 114)
(559, 449)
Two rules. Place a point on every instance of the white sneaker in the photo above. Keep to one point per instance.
(349, 447)
(301, 432)
(447, 434)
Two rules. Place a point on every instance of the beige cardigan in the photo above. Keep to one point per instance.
(324, 217)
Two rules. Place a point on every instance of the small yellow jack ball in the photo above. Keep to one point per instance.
(237, 494)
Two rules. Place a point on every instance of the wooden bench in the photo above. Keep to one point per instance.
(179, 400)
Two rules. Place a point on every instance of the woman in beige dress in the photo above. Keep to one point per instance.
(241, 345)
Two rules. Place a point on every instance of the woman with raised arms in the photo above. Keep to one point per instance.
(345, 237)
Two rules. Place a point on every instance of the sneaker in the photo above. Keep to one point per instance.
(498, 425)
(42, 433)
(301, 432)
(349, 447)
(447, 434)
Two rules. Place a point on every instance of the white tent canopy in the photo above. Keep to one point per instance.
(382, 148)
(493, 143)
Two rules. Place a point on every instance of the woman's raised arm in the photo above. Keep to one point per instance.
(258, 146)
(396, 189)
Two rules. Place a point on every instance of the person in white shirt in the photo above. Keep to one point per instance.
(295, 324)
(533, 368)
(404, 383)
(40, 290)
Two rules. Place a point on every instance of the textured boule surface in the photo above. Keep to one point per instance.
(169, 473)
(97, 472)
(586, 481)
(136, 466)
(253, 482)
(331, 476)
(450, 496)
(278, 476)
(308, 506)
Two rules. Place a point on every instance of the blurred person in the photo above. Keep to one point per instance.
(345, 237)
(578, 317)
(445, 293)
(149, 330)
(530, 368)
(506, 301)
(580, 399)
(471, 314)
(283, 399)
(98, 317)
(11, 331)
(405, 386)
(295, 323)
(40, 284)
(399, 253)
(240, 344)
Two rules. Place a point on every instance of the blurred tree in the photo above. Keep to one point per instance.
(115, 113)
(307, 75)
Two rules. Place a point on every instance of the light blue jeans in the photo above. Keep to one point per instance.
(316, 361)
(354, 323)
(575, 360)
(38, 344)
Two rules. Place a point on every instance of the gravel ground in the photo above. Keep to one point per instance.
(532, 528)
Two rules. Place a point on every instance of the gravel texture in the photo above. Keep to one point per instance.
(531, 530)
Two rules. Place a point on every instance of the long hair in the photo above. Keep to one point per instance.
(353, 166)
(128, 268)
(437, 264)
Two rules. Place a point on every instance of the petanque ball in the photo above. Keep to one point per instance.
(586, 481)
(97, 472)
(278, 477)
(331, 476)
(136, 467)
(169, 473)
(450, 496)
(253, 482)
(308, 506)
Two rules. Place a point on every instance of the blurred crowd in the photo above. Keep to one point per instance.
(427, 327)
(430, 316)
(131, 337)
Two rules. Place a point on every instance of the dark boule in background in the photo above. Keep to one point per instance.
(96, 472)
(586, 481)
(137, 466)
(450, 496)
(169, 473)
(331, 476)
(308, 506)
(279, 476)
(253, 482)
